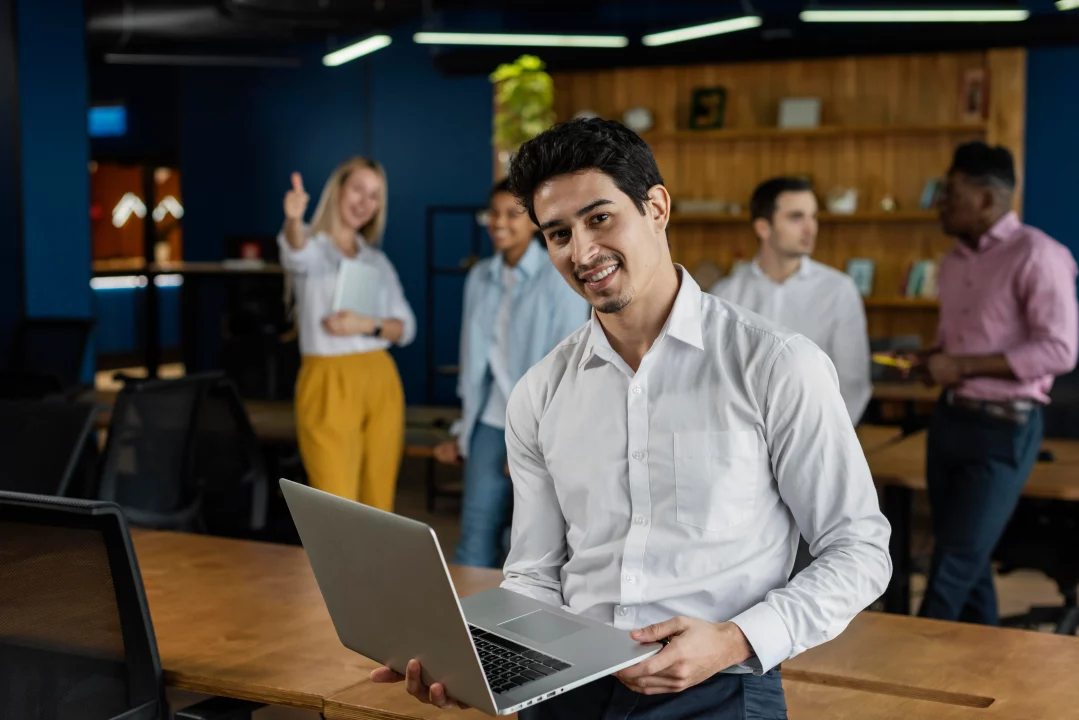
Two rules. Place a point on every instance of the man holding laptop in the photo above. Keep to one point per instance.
(666, 456)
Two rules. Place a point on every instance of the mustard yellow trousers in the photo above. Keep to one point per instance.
(350, 423)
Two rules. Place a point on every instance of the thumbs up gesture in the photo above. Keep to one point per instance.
(296, 199)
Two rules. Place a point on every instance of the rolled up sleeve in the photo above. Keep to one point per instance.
(1047, 286)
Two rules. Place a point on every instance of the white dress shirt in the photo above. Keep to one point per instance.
(821, 303)
(314, 276)
(681, 489)
(498, 361)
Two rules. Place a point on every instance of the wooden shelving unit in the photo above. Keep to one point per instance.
(888, 125)
(905, 216)
(822, 132)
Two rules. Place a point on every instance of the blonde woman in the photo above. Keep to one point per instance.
(350, 405)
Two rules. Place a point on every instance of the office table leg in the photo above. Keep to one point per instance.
(897, 508)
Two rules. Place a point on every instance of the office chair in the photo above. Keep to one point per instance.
(1043, 534)
(147, 467)
(228, 465)
(76, 639)
(46, 358)
(41, 444)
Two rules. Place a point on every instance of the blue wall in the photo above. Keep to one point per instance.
(1052, 143)
(10, 246)
(242, 131)
(55, 151)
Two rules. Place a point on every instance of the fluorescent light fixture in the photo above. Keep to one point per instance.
(914, 16)
(200, 60)
(1067, 4)
(118, 282)
(170, 280)
(463, 38)
(355, 50)
(699, 31)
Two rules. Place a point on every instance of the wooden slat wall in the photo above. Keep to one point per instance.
(916, 98)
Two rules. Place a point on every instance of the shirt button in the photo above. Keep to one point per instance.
(638, 455)
(639, 520)
(631, 579)
(623, 611)
(637, 390)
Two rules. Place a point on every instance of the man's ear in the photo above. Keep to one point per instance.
(659, 207)
(762, 228)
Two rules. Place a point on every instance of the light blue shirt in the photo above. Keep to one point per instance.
(543, 311)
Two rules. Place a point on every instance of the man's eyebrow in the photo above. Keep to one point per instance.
(580, 213)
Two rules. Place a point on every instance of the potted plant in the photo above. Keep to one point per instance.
(524, 105)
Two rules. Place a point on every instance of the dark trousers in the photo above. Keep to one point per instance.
(976, 466)
(722, 697)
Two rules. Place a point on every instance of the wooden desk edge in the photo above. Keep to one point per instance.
(260, 694)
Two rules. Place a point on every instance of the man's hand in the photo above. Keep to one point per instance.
(697, 650)
(448, 453)
(346, 322)
(944, 370)
(433, 695)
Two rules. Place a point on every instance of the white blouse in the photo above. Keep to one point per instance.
(314, 276)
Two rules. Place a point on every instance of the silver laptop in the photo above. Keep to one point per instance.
(391, 599)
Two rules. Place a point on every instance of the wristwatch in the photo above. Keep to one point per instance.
(377, 332)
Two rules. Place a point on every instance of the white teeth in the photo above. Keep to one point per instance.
(600, 275)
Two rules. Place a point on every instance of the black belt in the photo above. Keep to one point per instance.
(1016, 411)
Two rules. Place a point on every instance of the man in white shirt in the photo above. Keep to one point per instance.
(666, 455)
(784, 285)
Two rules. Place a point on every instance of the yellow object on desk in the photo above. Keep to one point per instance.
(892, 361)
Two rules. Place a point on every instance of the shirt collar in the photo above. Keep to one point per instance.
(685, 323)
(805, 269)
(1002, 230)
(335, 252)
(527, 266)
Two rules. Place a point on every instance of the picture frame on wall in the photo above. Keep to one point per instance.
(974, 95)
(708, 108)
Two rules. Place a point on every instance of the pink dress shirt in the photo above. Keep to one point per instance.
(1014, 295)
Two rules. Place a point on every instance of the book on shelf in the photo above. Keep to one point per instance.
(920, 280)
(861, 271)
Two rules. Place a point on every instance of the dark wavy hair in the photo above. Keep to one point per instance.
(585, 144)
(985, 164)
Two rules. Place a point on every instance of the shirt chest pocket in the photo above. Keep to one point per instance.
(716, 478)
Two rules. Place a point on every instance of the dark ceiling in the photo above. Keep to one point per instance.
(282, 28)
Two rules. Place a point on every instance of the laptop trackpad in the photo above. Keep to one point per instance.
(542, 626)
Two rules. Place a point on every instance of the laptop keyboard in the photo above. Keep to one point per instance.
(508, 665)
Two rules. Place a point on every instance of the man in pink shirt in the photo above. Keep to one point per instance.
(1008, 326)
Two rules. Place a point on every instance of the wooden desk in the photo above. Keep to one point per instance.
(246, 620)
(899, 469)
(905, 392)
(883, 667)
(1024, 674)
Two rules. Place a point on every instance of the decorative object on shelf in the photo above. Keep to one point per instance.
(585, 114)
(700, 205)
(734, 209)
(709, 106)
(524, 101)
(930, 193)
(842, 201)
(974, 95)
(706, 273)
(638, 119)
(861, 271)
(888, 204)
(799, 113)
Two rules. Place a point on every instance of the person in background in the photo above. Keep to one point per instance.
(516, 309)
(665, 456)
(350, 405)
(784, 285)
(1007, 326)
